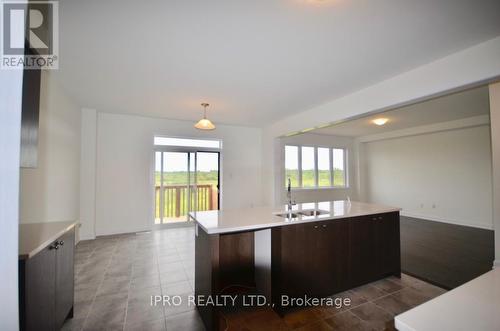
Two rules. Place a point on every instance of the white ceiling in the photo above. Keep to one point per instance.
(456, 106)
(255, 61)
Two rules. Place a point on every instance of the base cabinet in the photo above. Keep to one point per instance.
(323, 258)
(46, 283)
(362, 250)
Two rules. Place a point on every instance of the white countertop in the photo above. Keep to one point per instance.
(34, 237)
(223, 221)
(472, 306)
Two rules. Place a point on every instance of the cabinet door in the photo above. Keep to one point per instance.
(64, 277)
(336, 260)
(40, 291)
(320, 263)
(363, 250)
(388, 244)
(298, 264)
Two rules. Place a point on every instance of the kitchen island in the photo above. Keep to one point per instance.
(316, 250)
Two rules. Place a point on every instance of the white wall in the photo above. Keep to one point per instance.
(443, 176)
(124, 168)
(11, 82)
(50, 192)
(323, 194)
(87, 173)
(495, 147)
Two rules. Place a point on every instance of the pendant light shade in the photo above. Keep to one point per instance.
(204, 123)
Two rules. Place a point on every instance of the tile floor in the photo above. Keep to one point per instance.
(115, 277)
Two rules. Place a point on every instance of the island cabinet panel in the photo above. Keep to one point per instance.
(374, 247)
(236, 259)
(388, 244)
(310, 259)
(363, 250)
(336, 239)
(206, 274)
(295, 259)
(323, 258)
(222, 262)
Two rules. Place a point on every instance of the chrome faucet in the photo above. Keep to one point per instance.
(289, 195)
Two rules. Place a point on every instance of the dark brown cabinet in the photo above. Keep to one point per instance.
(295, 246)
(46, 282)
(363, 250)
(337, 261)
(323, 258)
(37, 288)
(388, 244)
(375, 247)
(310, 259)
(64, 277)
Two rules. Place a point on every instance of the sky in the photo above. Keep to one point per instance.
(178, 161)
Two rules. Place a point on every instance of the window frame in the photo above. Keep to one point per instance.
(316, 169)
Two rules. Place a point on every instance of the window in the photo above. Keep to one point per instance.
(338, 167)
(292, 165)
(324, 168)
(308, 167)
(315, 167)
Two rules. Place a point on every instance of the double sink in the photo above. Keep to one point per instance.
(295, 214)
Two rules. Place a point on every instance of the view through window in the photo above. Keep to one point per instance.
(186, 178)
(310, 166)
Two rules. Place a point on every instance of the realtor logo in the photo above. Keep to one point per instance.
(30, 34)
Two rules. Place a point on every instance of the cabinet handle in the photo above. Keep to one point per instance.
(380, 217)
(374, 219)
(54, 245)
(61, 243)
(324, 225)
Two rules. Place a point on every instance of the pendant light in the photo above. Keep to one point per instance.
(204, 123)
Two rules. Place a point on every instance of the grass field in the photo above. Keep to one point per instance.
(181, 178)
(210, 178)
(323, 178)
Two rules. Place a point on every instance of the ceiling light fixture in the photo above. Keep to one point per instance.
(380, 121)
(204, 123)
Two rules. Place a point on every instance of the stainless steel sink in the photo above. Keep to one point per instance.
(295, 214)
(313, 212)
(287, 215)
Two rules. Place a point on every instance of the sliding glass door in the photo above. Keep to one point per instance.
(185, 181)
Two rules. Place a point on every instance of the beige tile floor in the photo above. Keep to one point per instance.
(115, 277)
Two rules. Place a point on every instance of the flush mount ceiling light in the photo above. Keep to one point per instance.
(204, 123)
(380, 121)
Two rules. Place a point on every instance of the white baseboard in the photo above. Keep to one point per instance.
(128, 231)
(442, 220)
(86, 237)
(496, 264)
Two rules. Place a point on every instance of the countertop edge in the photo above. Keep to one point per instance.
(272, 225)
(402, 326)
(40, 247)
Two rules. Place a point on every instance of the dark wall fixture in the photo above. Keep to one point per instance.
(29, 117)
